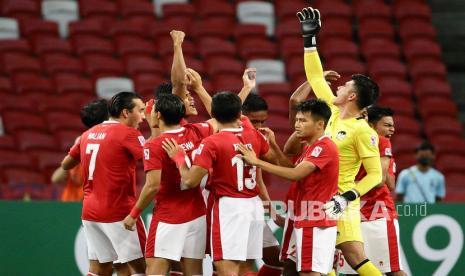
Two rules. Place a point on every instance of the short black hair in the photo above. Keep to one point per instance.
(376, 113)
(254, 103)
(425, 146)
(163, 89)
(367, 90)
(318, 109)
(94, 113)
(226, 107)
(171, 109)
(121, 101)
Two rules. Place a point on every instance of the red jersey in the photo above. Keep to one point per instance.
(318, 187)
(229, 174)
(173, 203)
(378, 203)
(108, 153)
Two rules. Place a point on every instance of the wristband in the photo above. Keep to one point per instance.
(350, 195)
(135, 212)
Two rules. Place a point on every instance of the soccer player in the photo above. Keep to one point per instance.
(356, 141)
(380, 228)
(108, 153)
(317, 179)
(163, 182)
(237, 213)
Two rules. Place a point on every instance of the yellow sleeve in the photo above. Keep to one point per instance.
(314, 72)
(366, 142)
(374, 175)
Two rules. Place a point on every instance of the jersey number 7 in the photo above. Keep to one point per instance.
(93, 150)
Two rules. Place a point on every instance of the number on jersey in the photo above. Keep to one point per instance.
(93, 150)
(249, 182)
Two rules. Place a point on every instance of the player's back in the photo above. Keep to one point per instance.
(108, 154)
(172, 195)
(230, 175)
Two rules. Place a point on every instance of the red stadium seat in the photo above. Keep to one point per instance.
(439, 125)
(376, 28)
(145, 84)
(32, 140)
(450, 163)
(278, 122)
(392, 86)
(385, 67)
(224, 66)
(143, 65)
(266, 89)
(99, 66)
(15, 62)
(134, 46)
(407, 125)
(426, 87)
(210, 47)
(33, 28)
(70, 84)
(48, 161)
(137, 9)
(247, 31)
(23, 177)
(66, 139)
(291, 47)
(346, 66)
(86, 28)
(372, 9)
(334, 8)
(126, 28)
(177, 10)
(20, 8)
(380, 47)
(7, 142)
(57, 120)
(455, 194)
(85, 45)
(433, 106)
(285, 10)
(61, 104)
(18, 103)
(404, 143)
(257, 49)
(336, 27)
(289, 28)
(15, 46)
(452, 146)
(161, 29)
(295, 68)
(13, 159)
(412, 9)
(51, 45)
(400, 105)
(427, 68)
(98, 9)
(446, 139)
(5, 85)
(421, 48)
(404, 161)
(456, 180)
(339, 47)
(165, 47)
(217, 9)
(212, 28)
(275, 103)
(59, 64)
(231, 83)
(416, 28)
(30, 83)
(194, 63)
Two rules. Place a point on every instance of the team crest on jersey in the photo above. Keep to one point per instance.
(388, 152)
(341, 135)
(141, 140)
(316, 151)
(146, 154)
(373, 140)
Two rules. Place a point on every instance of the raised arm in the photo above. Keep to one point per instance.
(178, 68)
(195, 81)
(249, 80)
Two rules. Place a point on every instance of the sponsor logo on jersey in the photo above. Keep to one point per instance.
(341, 135)
(141, 140)
(316, 151)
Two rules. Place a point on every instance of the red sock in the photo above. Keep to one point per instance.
(266, 270)
(175, 273)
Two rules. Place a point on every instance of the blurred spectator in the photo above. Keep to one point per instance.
(421, 182)
(91, 114)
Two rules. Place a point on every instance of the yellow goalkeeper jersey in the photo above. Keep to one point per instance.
(354, 138)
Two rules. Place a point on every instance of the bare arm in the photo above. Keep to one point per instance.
(264, 196)
(299, 95)
(69, 162)
(178, 67)
(150, 189)
(279, 157)
(249, 80)
(59, 175)
(391, 182)
(293, 145)
(195, 81)
(385, 170)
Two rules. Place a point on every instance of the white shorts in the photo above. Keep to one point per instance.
(111, 242)
(315, 248)
(237, 229)
(176, 241)
(288, 250)
(269, 240)
(382, 246)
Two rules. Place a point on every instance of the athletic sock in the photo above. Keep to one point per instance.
(367, 268)
(267, 270)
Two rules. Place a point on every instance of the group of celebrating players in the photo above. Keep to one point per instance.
(206, 179)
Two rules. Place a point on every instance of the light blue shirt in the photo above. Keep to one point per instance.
(419, 187)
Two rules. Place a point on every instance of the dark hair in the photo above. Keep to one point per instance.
(226, 107)
(94, 113)
(120, 101)
(424, 146)
(376, 113)
(367, 90)
(163, 89)
(318, 109)
(171, 109)
(254, 103)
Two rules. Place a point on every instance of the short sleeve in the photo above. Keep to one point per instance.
(205, 129)
(320, 155)
(441, 187)
(134, 142)
(246, 122)
(402, 182)
(204, 155)
(75, 150)
(153, 155)
(385, 148)
(366, 143)
(264, 146)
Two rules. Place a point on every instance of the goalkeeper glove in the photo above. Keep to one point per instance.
(311, 25)
(336, 206)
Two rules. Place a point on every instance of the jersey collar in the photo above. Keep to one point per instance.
(110, 122)
(178, 130)
(322, 137)
(239, 129)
